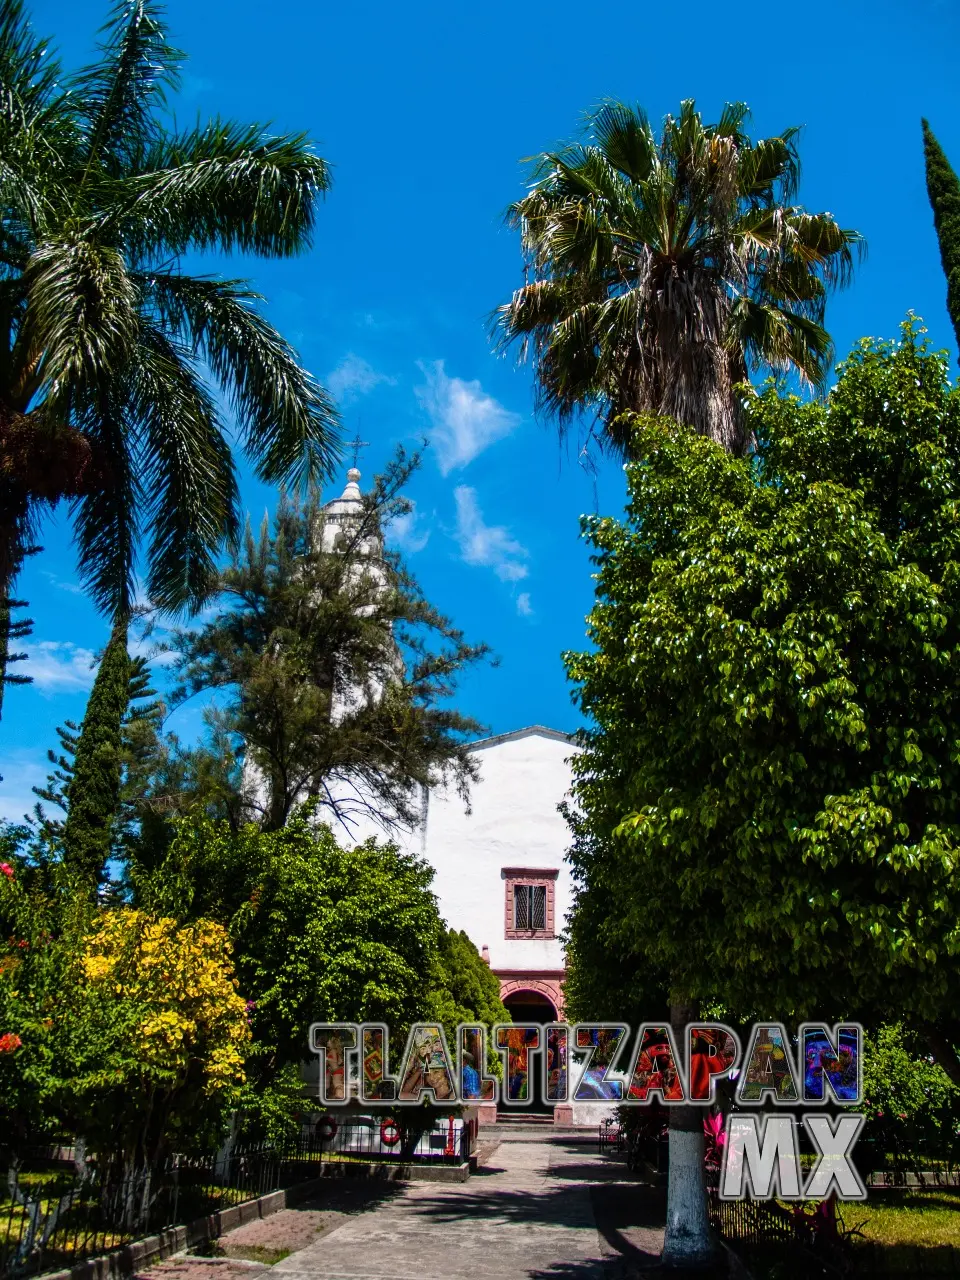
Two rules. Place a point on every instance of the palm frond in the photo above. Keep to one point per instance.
(119, 94)
(290, 425)
(225, 186)
(624, 136)
(82, 317)
(27, 69)
(187, 470)
(106, 524)
(782, 339)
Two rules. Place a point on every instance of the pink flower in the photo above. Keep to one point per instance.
(9, 1042)
(7, 870)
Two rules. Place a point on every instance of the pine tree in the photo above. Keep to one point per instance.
(337, 670)
(14, 629)
(943, 188)
(93, 793)
(139, 733)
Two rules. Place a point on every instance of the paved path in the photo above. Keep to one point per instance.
(551, 1209)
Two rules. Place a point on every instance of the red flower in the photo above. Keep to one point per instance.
(9, 1042)
(7, 870)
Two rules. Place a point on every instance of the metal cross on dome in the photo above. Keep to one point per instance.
(356, 446)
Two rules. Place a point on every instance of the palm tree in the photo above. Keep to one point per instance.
(110, 352)
(664, 272)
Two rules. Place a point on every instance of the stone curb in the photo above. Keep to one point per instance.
(140, 1253)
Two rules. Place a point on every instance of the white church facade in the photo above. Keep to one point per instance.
(500, 873)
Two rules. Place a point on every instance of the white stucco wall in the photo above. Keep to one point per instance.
(513, 822)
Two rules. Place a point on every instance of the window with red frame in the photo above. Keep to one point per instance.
(529, 905)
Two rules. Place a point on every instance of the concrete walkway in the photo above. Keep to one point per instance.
(548, 1207)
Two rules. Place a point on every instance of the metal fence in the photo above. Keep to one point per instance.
(51, 1216)
(768, 1234)
(889, 1162)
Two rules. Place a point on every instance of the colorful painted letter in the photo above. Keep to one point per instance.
(656, 1069)
(516, 1042)
(832, 1058)
(376, 1083)
(714, 1052)
(475, 1084)
(602, 1043)
(427, 1068)
(336, 1044)
(768, 1067)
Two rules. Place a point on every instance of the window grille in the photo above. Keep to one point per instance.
(530, 906)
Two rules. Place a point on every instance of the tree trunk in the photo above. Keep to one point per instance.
(688, 1243)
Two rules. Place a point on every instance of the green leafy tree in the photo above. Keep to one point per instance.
(909, 1099)
(166, 780)
(468, 990)
(32, 972)
(771, 781)
(153, 1038)
(336, 664)
(665, 269)
(321, 933)
(108, 340)
(943, 188)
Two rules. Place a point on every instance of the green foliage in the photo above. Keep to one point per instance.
(664, 269)
(336, 666)
(321, 933)
(108, 341)
(117, 1027)
(109, 817)
(152, 1034)
(943, 188)
(769, 795)
(32, 978)
(93, 792)
(468, 990)
(906, 1094)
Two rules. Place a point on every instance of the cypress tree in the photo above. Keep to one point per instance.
(93, 795)
(943, 188)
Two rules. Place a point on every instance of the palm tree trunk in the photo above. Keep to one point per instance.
(688, 1244)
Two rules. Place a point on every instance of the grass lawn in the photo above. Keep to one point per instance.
(907, 1232)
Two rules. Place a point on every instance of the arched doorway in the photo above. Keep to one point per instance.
(525, 1005)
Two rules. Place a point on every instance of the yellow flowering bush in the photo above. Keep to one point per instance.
(178, 982)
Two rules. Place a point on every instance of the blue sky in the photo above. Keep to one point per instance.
(424, 112)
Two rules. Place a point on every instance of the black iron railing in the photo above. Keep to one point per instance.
(51, 1216)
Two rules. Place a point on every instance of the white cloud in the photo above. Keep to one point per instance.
(465, 420)
(58, 665)
(20, 772)
(354, 377)
(524, 607)
(408, 532)
(483, 544)
(73, 587)
(147, 647)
